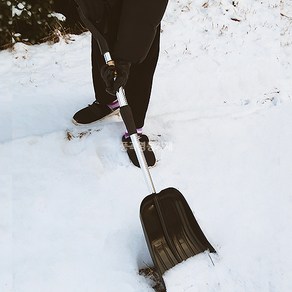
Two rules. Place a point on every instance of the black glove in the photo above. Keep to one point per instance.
(115, 76)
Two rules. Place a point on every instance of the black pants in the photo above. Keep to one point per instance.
(139, 85)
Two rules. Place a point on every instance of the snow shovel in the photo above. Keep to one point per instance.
(170, 228)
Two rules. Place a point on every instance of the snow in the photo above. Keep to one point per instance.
(220, 123)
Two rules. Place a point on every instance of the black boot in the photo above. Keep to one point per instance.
(92, 113)
(147, 150)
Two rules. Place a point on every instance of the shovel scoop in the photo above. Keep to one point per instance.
(172, 233)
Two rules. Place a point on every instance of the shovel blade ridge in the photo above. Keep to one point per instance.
(172, 233)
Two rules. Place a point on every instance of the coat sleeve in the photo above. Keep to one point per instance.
(137, 28)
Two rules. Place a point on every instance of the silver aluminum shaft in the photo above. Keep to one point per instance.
(137, 147)
(121, 96)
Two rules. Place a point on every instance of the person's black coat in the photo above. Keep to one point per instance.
(136, 24)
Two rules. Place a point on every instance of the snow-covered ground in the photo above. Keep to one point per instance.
(220, 121)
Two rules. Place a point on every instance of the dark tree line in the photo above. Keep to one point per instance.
(5, 22)
(36, 21)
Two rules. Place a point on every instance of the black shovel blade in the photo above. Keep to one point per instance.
(171, 230)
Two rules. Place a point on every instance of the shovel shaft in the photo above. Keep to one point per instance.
(171, 230)
(127, 116)
(143, 163)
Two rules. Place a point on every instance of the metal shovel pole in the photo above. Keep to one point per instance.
(128, 119)
(175, 228)
(126, 114)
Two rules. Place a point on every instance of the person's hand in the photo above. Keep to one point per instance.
(115, 75)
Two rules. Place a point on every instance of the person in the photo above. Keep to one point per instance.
(132, 31)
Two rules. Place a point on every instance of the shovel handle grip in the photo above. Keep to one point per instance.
(128, 119)
(102, 43)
